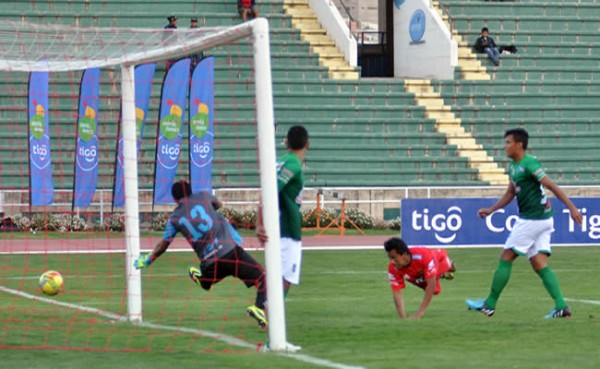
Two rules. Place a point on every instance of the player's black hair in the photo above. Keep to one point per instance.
(485, 29)
(519, 135)
(297, 138)
(180, 190)
(396, 243)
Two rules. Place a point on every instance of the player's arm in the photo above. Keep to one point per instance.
(399, 302)
(261, 232)
(508, 196)
(285, 173)
(429, 292)
(216, 203)
(558, 192)
(146, 259)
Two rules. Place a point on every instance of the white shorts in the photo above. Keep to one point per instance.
(291, 256)
(531, 237)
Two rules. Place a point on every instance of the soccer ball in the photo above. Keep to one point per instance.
(51, 282)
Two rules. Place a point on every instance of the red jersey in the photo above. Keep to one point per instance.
(425, 263)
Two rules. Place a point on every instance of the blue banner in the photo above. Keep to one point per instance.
(143, 76)
(454, 222)
(86, 154)
(173, 100)
(202, 102)
(40, 160)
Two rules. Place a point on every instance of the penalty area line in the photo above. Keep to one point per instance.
(200, 332)
(591, 302)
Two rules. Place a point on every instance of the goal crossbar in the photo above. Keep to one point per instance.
(33, 47)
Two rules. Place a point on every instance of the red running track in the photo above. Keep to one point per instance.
(103, 245)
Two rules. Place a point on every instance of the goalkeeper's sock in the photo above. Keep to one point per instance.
(501, 277)
(261, 292)
(551, 283)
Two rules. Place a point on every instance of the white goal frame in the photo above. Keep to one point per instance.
(259, 30)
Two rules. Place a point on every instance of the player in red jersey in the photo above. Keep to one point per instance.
(420, 266)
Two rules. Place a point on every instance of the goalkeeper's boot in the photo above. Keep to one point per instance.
(559, 313)
(481, 306)
(195, 275)
(257, 314)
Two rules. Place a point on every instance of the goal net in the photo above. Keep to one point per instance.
(97, 124)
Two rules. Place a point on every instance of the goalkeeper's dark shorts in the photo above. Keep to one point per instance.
(237, 263)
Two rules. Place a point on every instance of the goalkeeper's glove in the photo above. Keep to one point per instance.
(143, 261)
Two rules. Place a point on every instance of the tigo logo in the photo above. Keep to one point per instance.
(444, 225)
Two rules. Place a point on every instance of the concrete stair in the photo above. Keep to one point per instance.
(470, 66)
(450, 125)
(330, 56)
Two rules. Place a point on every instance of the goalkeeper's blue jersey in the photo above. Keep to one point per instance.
(209, 233)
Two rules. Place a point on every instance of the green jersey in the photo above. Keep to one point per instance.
(526, 176)
(290, 183)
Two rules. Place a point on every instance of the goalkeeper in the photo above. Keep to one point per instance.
(215, 242)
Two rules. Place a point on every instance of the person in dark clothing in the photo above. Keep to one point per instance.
(486, 44)
(195, 59)
(171, 26)
(215, 242)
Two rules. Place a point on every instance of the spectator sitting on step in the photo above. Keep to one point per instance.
(247, 8)
(486, 44)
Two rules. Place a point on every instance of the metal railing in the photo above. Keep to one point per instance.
(250, 196)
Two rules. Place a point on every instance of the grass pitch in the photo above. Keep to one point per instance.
(342, 312)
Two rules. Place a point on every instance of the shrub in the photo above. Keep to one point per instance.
(50, 222)
(67, 223)
(311, 221)
(115, 222)
(360, 218)
(159, 222)
(395, 223)
(240, 218)
(22, 222)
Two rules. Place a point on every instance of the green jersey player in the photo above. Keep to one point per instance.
(290, 183)
(530, 235)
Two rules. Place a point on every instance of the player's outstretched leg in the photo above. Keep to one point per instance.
(195, 275)
(481, 306)
(257, 314)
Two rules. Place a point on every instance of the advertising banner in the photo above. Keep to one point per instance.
(40, 160)
(202, 101)
(86, 154)
(170, 128)
(454, 222)
(143, 76)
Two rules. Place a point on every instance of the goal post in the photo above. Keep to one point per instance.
(259, 29)
(132, 49)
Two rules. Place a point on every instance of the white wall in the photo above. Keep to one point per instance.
(432, 56)
(336, 28)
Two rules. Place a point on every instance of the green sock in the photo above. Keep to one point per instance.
(551, 284)
(501, 277)
(285, 292)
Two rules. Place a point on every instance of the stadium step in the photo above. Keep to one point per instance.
(463, 51)
(304, 18)
(448, 124)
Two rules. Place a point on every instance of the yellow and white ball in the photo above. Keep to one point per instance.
(51, 282)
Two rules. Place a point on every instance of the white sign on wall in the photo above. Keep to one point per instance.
(423, 45)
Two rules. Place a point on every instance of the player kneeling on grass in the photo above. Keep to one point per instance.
(215, 242)
(420, 266)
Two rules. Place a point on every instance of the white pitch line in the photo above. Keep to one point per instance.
(591, 302)
(86, 309)
(200, 332)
